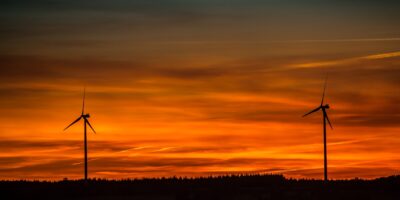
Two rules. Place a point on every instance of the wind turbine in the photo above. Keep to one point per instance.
(85, 122)
(325, 119)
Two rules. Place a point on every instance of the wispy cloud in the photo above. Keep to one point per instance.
(202, 159)
(343, 40)
(348, 60)
(197, 87)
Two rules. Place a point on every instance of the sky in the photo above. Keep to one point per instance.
(198, 88)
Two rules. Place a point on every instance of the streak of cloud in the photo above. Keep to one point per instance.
(192, 88)
(348, 60)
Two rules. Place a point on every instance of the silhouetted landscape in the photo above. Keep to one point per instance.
(246, 187)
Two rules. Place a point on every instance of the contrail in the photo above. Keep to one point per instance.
(240, 42)
(348, 60)
(342, 40)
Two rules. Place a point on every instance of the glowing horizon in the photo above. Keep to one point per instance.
(190, 88)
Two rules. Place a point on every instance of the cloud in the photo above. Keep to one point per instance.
(198, 87)
(117, 159)
(226, 92)
(19, 68)
(370, 120)
(342, 40)
(348, 60)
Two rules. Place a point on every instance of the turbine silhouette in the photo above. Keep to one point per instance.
(325, 119)
(85, 122)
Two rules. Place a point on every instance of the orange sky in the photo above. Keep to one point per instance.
(193, 92)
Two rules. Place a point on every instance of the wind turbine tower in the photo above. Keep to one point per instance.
(325, 119)
(86, 122)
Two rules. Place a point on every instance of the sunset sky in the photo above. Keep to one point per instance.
(199, 87)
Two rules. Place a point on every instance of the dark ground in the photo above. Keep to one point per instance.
(257, 187)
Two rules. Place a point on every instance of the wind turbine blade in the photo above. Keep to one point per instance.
(87, 121)
(73, 123)
(315, 110)
(323, 94)
(327, 119)
(83, 103)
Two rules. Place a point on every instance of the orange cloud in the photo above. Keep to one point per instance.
(348, 60)
(232, 117)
